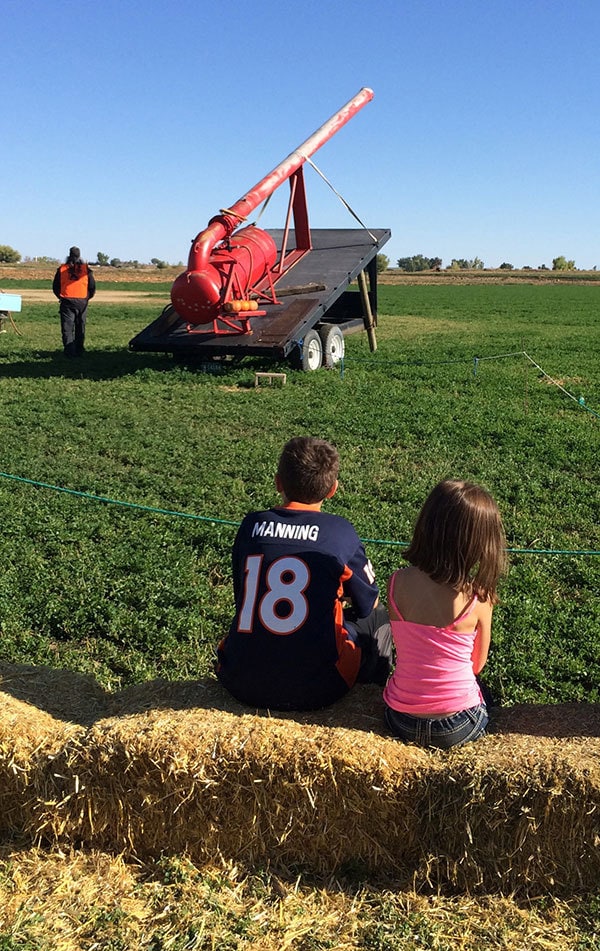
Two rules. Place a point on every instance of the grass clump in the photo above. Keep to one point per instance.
(80, 901)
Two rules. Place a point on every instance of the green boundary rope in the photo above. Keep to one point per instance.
(223, 521)
(580, 400)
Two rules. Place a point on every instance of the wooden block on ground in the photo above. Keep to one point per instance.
(282, 377)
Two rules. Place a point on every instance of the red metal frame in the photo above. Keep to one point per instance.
(221, 228)
(233, 324)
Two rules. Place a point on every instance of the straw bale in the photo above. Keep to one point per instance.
(254, 788)
(182, 768)
(66, 695)
(29, 742)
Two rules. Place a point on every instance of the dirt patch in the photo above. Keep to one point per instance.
(113, 275)
(41, 296)
(152, 275)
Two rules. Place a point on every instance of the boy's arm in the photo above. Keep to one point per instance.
(361, 588)
(236, 573)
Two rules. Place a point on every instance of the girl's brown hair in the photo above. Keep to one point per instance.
(459, 539)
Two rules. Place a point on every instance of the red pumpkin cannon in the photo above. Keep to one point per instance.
(231, 272)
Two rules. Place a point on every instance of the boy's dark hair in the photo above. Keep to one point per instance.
(307, 469)
(459, 539)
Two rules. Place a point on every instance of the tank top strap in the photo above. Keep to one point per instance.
(465, 611)
(391, 599)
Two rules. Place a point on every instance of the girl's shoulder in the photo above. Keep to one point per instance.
(414, 596)
(404, 573)
(411, 592)
(403, 579)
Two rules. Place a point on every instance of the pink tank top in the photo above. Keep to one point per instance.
(433, 675)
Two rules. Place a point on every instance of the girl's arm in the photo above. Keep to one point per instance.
(483, 637)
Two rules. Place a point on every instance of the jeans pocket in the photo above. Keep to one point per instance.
(402, 725)
(479, 719)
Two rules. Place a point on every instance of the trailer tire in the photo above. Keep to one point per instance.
(334, 345)
(309, 356)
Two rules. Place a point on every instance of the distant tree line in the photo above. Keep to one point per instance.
(8, 255)
(464, 264)
(561, 264)
(103, 260)
(419, 262)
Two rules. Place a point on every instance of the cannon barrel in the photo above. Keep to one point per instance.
(196, 293)
(223, 225)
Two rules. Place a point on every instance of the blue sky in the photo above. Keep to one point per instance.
(126, 126)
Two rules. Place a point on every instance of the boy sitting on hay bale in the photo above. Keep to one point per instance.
(293, 645)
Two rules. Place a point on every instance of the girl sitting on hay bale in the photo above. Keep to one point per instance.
(441, 612)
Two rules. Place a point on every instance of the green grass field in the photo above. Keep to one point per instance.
(124, 591)
(148, 594)
(129, 594)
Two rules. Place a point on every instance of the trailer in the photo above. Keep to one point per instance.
(290, 294)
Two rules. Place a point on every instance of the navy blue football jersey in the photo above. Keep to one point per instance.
(289, 646)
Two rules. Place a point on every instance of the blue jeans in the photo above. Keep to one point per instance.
(442, 732)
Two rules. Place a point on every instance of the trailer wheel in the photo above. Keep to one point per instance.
(310, 355)
(334, 345)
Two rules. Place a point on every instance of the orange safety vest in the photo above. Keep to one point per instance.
(74, 287)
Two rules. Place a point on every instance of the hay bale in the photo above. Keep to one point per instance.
(29, 742)
(493, 816)
(260, 790)
(182, 768)
(523, 817)
(64, 694)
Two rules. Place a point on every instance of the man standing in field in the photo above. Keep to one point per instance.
(74, 285)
